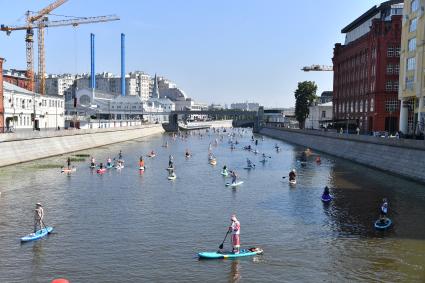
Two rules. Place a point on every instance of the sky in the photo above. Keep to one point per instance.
(217, 51)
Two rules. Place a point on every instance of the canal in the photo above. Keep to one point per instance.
(129, 227)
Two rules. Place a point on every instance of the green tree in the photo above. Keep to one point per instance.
(304, 96)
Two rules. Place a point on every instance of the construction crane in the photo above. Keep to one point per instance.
(40, 21)
(317, 68)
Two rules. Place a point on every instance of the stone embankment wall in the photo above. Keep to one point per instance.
(28, 147)
(399, 156)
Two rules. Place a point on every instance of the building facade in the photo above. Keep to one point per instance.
(320, 114)
(366, 70)
(17, 77)
(20, 111)
(248, 106)
(1, 97)
(412, 68)
(62, 85)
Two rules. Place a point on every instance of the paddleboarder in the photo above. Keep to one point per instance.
(141, 163)
(384, 208)
(38, 217)
(120, 155)
(170, 161)
(68, 162)
(109, 162)
(326, 192)
(292, 175)
(235, 229)
(234, 176)
(92, 162)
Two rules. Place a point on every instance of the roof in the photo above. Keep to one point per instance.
(11, 87)
(326, 104)
(370, 13)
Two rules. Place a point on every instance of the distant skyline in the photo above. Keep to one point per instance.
(216, 51)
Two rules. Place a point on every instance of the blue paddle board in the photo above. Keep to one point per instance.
(224, 255)
(37, 235)
(383, 225)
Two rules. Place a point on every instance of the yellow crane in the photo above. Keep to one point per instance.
(40, 21)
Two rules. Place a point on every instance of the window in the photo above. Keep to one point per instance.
(366, 106)
(361, 106)
(412, 25)
(351, 107)
(391, 105)
(388, 86)
(410, 82)
(397, 51)
(414, 5)
(390, 51)
(356, 107)
(395, 86)
(396, 69)
(373, 70)
(372, 105)
(323, 114)
(389, 69)
(411, 64)
(411, 44)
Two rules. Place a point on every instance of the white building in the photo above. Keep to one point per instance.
(19, 109)
(319, 116)
(101, 109)
(136, 83)
(62, 85)
(248, 106)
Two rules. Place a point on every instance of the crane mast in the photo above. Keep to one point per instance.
(40, 21)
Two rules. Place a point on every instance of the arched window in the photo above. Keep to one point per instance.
(361, 106)
(372, 105)
(366, 105)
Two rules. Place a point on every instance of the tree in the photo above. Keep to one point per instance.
(304, 96)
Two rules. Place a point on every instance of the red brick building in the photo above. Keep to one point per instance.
(17, 77)
(366, 70)
(1, 97)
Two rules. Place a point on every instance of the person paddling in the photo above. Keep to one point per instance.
(292, 175)
(234, 176)
(235, 229)
(68, 162)
(100, 166)
(141, 163)
(38, 217)
(326, 192)
(120, 155)
(249, 163)
(92, 162)
(170, 161)
(384, 209)
(109, 162)
(225, 169)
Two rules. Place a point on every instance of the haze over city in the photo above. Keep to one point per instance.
(216, 51)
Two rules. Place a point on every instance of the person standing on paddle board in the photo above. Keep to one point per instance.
(141, 162)
(120, 155)
(68, 162)
(235, 229)
(234, 176)
(109, 162)
(170, 161)
(384, 208)
(38, 216)
(92, 162)
(292, 175)
(326, 192)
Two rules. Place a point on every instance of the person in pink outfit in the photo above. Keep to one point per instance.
(235, 229)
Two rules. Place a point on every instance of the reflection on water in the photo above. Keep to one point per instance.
(128, 225)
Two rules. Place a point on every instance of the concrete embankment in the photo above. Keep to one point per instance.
(403, 157)
(23, 148)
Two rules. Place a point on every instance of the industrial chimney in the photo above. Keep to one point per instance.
(93, 74)
(123, 64)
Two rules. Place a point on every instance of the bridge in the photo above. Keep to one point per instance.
(240, 118)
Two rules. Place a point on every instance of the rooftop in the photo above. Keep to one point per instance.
(369, 14)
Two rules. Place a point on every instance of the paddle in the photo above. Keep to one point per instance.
(221, 245)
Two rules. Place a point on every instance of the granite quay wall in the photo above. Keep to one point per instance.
(32, 146)
(400, 156)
